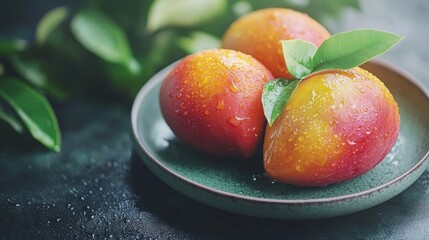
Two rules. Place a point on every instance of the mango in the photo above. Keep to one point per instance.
(337, 125)
(212, 101)
(260, 32)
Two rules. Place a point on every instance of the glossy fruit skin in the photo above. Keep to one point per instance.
(212, 101)
(336, 126)
(259, 34)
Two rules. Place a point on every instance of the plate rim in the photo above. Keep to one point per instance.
(158, 77)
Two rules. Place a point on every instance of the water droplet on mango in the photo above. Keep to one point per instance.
(220, 104)
(233, 88)
(236, 121)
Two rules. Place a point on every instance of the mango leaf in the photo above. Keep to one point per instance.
(122, 79)
(34, 110)
(36, 73)
(275, 95)
(298, 56)
(350, 49)
(49, 22)
(183, 13)
(133, 67)
(11, 120)
(11, 46)
(164, 50)
(198, 41)
(30, 70)
(101, 36)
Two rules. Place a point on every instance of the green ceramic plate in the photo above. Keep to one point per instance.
(241, 186)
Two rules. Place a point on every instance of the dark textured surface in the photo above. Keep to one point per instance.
(98, 188)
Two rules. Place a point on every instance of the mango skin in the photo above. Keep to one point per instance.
(259, 34)
(336, 126)
(212, 101)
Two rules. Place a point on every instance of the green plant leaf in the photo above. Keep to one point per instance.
(133, 66)
(183, 13)
(49, 22)
(36, 73)
(125, 81)
(31, 70)
(34, 110)
(101, 36)
(164, 49)
(350, 49)
(275, 95)
(198, 41)
(298, 56)
(11, 46)
(11, 120)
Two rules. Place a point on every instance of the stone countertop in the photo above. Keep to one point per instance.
(98, 188)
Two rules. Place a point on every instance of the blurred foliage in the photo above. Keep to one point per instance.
(116, 46)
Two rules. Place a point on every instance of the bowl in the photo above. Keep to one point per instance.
(242, 186)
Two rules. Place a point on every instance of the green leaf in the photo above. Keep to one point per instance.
(49, 22)
(298, 56)
(133, 66)
(31, 70)
(101, 36)
(11, 46)
(34, 110)
(198, 41)
(275, 95)
(350, 49)
(164, 49)
(11, 120)
(36, 73)
(123, 80)
(183, 13)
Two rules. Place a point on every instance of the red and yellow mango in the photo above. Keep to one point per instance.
(337, 126)
(259, 34)
(212, 101)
